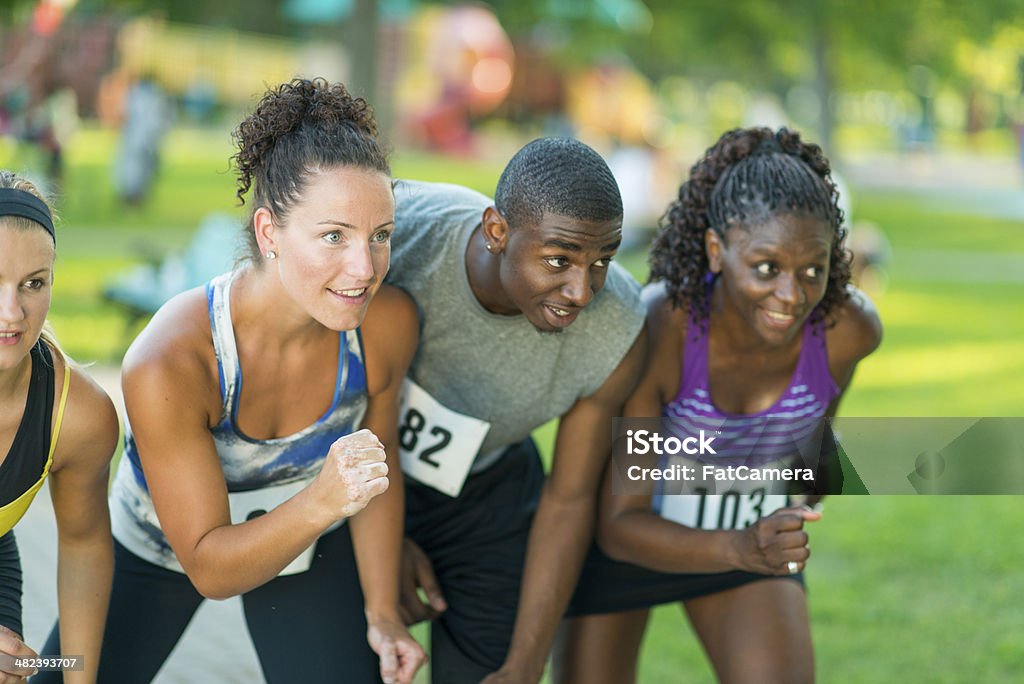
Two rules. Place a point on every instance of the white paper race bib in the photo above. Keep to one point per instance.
(248, 505)
(731, 511)
(437, 445)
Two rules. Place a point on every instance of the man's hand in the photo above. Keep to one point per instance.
(11, 647)
(400, 655)
(417, 573)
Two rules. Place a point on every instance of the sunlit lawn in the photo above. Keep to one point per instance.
(952, 346)
(949, 350)
(901, 589)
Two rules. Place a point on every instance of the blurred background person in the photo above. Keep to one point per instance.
(147, 116)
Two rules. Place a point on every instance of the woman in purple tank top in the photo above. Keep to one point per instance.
(751, 316)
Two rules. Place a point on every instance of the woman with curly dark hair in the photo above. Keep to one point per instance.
(229, 488)
(752, 320)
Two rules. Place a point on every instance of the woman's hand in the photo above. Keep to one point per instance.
(400, 655)
(773, 542)
(11, 647)
(353, 473)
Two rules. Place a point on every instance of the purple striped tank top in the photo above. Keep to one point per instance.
(778, 435)
(766, 435)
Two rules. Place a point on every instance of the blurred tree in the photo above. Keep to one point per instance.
(361, 37)
(846, 44)
(262, 16)
(772, 45)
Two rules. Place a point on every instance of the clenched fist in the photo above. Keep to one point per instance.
(772, 543)
(352, 474)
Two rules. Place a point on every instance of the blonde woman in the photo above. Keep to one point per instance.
(54, 423)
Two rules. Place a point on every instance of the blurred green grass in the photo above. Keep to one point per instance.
(901, 589)
(916, 589)
(952, 344)
(949, 350)
(912, 221)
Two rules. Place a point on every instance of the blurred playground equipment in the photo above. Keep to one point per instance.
(459, 67)
(143, 289)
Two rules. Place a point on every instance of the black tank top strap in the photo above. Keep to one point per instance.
(26, 460)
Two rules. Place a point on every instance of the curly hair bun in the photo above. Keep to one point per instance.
(296, 130)
(301, 104)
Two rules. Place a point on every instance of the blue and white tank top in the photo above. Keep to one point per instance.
(271, 468)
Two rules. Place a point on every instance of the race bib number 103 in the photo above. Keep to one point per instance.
(731, 511)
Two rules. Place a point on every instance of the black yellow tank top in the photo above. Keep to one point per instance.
(28, 461)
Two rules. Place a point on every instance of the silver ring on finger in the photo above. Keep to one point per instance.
(793, 567)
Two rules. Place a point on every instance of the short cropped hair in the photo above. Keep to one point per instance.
(559, 176)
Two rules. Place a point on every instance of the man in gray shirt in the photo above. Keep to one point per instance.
(524, 319)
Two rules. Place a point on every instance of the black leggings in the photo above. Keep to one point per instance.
(10, 584)
(307, 627)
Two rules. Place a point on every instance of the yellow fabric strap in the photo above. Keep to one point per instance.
(12, 512)
(60, 416)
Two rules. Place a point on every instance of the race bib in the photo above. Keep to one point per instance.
(730, 511)
(437, 445)
(252, 504)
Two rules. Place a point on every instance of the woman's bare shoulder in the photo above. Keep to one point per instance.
(89, 426)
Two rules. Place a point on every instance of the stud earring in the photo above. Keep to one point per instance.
(271, 254)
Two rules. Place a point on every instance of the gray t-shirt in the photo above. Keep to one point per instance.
(497, 368)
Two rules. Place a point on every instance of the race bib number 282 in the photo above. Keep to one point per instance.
(437, 445)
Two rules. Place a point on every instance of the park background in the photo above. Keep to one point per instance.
(918, 104)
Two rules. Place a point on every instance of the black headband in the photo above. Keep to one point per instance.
(15, 202)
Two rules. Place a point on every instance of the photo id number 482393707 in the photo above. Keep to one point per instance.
(44, 663)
